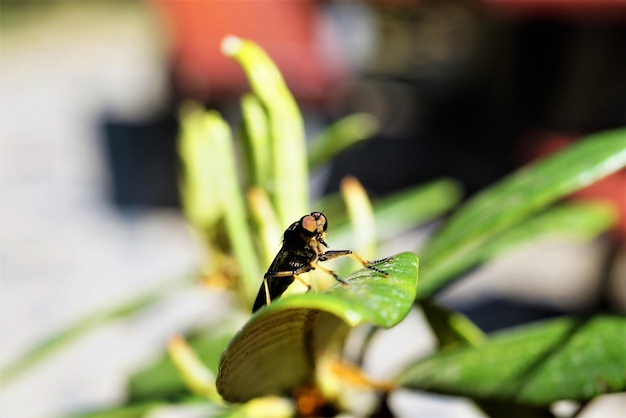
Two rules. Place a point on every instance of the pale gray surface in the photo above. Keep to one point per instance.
(65, 252)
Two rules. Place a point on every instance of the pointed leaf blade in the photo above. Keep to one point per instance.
(533, 188)
(519, 196)
(566, 358)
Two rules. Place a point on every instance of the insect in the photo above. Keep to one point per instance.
(303, 248)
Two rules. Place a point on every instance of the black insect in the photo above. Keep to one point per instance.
(303, 248)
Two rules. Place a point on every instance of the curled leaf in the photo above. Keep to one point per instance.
(277, 350)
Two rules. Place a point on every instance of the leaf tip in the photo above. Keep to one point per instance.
(231, 45)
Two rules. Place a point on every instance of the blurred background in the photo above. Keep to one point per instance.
(90, 93)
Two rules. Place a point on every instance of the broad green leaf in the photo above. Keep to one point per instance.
(581, 221)
(572, 220)
(276, 350)
(515, 198)
(566, 358)
(575, 220)
(529, 190)
(339, 136)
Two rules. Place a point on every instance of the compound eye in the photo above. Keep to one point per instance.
(323, 221)
(309, 224)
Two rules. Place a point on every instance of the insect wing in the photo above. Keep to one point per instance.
(276, 285)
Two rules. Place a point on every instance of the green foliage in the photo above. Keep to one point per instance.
(161, 379)
(396, 213)
(240, 206)
(339, 136)
(515, 198)
(451, 328)
(538, 364)
(277, 349)
(580, 221)
(289, 187)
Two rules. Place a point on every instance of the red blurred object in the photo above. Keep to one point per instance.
(611, 188)
(286, 30)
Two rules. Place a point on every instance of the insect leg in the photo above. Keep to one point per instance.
(286, 273)
(330, 254)
(304, 282)
(328, 271)
(268, 298)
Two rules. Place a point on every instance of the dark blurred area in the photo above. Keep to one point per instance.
(462, 88)
(503, 85)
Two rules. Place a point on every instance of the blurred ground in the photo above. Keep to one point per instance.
(65, 251)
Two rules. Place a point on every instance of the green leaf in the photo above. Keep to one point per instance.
(276, 350)
(270, 406)
(574, 220)
(581, 221)
(266, 224)
(199, 176)
(257, 141)
(195, 374)
(339, 136)
(451, 328)
(408, 208)
(290, 188)
(161, 379)
(532, 188)
(361, 216)
(519, 196)
(566, 358)
(397, 212)
(235, 215)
